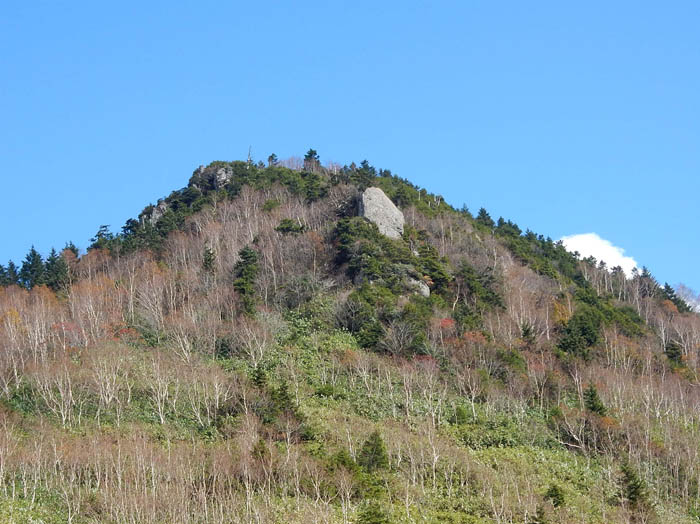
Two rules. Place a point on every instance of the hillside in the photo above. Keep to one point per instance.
(249, 349)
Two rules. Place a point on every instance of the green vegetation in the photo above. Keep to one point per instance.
(253, 350)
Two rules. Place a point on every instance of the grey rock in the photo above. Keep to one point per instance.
(419, 286)
(223, 175)
(378, 208)
(158, 212)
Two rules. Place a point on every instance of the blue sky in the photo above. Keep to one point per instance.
(566, 118)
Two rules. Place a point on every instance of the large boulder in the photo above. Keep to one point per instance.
(378, 208)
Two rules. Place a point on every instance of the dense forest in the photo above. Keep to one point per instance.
(249, 349)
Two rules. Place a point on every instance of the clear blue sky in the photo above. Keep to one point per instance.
(565, 118)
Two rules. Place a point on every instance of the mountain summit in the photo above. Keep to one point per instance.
(294, 342)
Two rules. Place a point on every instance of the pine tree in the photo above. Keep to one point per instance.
(57, 276)
(593, 402)
(373, 514)
(633, 487)
(670, 294)
(484, 218)
(11, 274)
(674, 352)
(373, 455)
(209, 260)
(103, 239)
(33, 272)
(363, 177)
(556, 495)
(70, 246)
(312, 161)
(245, 273)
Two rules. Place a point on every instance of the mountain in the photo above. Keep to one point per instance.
(293, 342)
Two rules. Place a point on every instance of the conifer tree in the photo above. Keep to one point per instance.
(373, 514)
(373, 455)
(364, 176)
(670, 294)
(33, 272)
(674, 352)
(593, 402)
(11, 274)
(245, 273)
(484, 218)
(56, 271)
(633, 487)
(209, 260)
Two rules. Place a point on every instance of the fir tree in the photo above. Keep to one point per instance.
(373, 514)
(364, 176)
(57, 276)
(593, 402)
(209, 260)
(670, 294)
(674, 352)
(311, 161)
(33, 272)
(633, 487)
(556, 495)
(245, 273)
(485, 219)
(373, 455)
(70, 246)
(11, 274)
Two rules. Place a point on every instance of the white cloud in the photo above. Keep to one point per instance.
(590, 244)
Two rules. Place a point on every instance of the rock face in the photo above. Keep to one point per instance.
(419, 287)
(223, 175)
(378, 208)
(158, 212)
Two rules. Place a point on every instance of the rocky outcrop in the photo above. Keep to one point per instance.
(223, 175)
(419, 287)
(378, 208)
(158, 212)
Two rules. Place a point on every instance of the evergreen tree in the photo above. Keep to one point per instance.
(633, 487)
(209, 260)
(433, 267)
(593, 402)
(373, 514)
(33, 272)
(103, 239)
(272, 160)
(485, 219)
(363, 177)
(70, 246)
(670, 294)
(11, 274)
(674, 352)
(556, 495)
(57, 276)
(312, 161)
(373, 455)
(245, 273)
